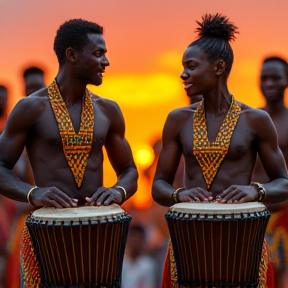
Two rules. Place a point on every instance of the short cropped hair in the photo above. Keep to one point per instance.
(2, 87)
(33, 70)
(73, 33)
(279, 60)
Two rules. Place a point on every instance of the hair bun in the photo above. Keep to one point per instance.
(216, 26)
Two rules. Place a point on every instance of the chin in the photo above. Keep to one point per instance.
(97, 82)
(272, 98)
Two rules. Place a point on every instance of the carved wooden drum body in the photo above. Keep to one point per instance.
(217, 244)
(82, 245)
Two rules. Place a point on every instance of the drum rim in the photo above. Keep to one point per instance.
(90, 213)
(217, 208)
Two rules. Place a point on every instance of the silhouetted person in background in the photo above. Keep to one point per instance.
(33, 79)
(273, 84)
(139, 270)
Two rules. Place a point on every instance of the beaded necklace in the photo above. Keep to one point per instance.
(76, 147)
(210, 155)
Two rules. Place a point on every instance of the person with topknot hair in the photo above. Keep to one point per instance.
(218, 137)
(65, 127)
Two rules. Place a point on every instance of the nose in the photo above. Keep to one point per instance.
(184, 76)
(268, 82)
(105, 61)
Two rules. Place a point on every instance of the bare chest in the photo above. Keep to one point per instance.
(241, 141)
(47, 127)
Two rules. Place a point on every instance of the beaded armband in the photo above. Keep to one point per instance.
(175, 194)
(261, 191)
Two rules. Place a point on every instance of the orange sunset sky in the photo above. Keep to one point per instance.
(145, 41)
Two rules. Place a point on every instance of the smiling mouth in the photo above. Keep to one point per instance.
(100, 74)
(187, 85)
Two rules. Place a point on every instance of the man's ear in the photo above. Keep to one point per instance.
(70, 54)
(220, 67)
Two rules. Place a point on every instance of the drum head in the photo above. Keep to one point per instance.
(217, 208)
(77, 214)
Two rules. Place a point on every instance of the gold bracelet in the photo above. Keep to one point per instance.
(29, 193)
(175, 196)
(261, 191)
(123, 189)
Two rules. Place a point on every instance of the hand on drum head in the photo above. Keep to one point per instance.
(195, 195)
(105, 196)
(51, 197)
(238, 194)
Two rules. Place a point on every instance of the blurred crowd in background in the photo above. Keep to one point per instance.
(148, 235)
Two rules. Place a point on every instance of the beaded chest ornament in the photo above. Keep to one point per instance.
(76, 147)
(210, 155)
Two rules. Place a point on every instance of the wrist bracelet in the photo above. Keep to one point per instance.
(175, 194)
(29, 193)
(124, 191)
(261, 191)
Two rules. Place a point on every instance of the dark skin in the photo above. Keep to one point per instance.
(33, 82)
(32, 124)
(254, 133)
(273, 83)
(3, 108)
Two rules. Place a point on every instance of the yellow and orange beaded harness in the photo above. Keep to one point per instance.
(76, 147)
(211, 155)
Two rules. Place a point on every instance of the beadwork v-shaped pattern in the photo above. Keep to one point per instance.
(76, 147)
(210, 155)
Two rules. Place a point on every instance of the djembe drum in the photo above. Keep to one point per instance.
(82, 245)
(217, 245)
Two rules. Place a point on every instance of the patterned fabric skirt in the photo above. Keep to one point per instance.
(266, 276)
(277, 239)
(30, 274)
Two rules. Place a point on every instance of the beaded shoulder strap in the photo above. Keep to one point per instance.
(76, 147)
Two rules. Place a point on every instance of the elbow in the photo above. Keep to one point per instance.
(135, 177)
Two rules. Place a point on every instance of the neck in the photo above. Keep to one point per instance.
(275, 107)
(71, 88)
(217, 103)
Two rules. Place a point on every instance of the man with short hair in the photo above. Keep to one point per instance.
(66, 118)
(33, 79)
(274, 83)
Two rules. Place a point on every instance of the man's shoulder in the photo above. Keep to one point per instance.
(33, 102)
(41, 93)
(182, 112)
(254, 113)
(107, 103)
(258, 119)
(28, 110)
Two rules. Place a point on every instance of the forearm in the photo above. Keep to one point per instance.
(12, 187)
(161, 192)
(276, 190)
(128, 180)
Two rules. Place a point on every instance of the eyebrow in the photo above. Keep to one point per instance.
(101, 49)
(188, 62)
